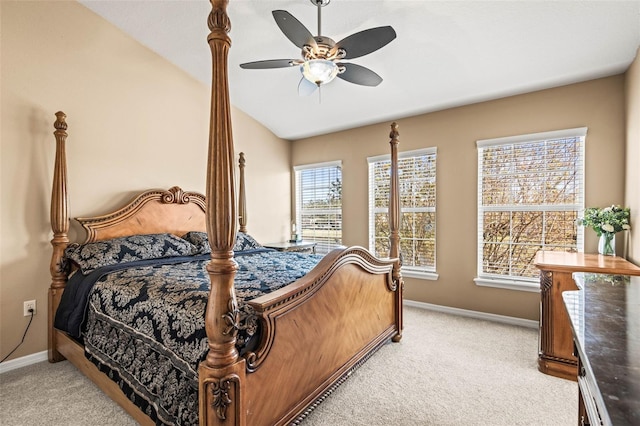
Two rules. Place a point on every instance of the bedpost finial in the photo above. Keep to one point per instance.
(218, 18)
(60, 123)
(394, 131)
(242, 161)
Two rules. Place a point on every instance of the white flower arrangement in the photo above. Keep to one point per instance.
(608, 220)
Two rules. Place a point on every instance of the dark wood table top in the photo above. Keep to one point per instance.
(605, 318)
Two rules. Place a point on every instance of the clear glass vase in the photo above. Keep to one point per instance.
(607, 244)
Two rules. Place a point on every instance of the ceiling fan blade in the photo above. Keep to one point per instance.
(365, 42)
(359, 75)
(271, 63)
(305, 87)
(293, 29)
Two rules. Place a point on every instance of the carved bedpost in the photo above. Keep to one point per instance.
(60, 228)
(394, 221)
(221, 374)
(242, 201)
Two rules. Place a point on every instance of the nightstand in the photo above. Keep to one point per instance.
(300, 246)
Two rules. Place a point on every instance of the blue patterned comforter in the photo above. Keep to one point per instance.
(143, 322)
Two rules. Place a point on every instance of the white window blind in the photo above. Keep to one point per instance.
(319, 204)
(417, 185)
(530, 192)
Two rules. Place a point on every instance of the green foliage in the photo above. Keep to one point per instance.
(323, 197)
(607, 220)
(334, 197)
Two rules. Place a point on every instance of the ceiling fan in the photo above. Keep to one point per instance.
(322, 58)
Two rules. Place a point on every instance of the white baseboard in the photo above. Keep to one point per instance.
(474, 314)
(23, 361)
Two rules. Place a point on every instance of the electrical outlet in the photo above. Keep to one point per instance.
(29, 304)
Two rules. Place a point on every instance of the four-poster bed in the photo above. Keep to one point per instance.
(313, 331)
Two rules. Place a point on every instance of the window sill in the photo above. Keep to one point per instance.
(529, 286)
(432, 276)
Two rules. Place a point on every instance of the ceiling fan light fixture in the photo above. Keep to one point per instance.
(319, 71)
(322, 57)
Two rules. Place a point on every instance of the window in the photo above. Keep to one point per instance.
(417, 185)
(530, 192)
(319, 204)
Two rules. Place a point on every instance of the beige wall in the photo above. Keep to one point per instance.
(598, 105)
(135, 122)
(632, 184)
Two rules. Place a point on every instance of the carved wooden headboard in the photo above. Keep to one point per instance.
(156, 211)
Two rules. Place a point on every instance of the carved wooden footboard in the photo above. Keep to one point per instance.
(317, 330)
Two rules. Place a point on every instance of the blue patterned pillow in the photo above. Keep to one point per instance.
(201, 241)
(245, 242)
(91, 256)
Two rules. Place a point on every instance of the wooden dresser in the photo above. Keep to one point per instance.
(555, 352)
(605, 319)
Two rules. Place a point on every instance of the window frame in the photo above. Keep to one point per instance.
(422, 272)
(510, 281)
(299, 210)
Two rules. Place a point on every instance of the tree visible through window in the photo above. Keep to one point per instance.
(530, 192)
(319, 204)
(417, 185)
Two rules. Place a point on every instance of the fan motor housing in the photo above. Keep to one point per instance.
(324, 49)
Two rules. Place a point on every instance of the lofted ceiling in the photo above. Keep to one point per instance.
(446, 54)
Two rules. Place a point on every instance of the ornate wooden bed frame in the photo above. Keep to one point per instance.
(315, 331)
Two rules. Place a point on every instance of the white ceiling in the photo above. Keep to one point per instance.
(446, 54)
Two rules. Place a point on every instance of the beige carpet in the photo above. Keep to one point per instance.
(447, 370)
